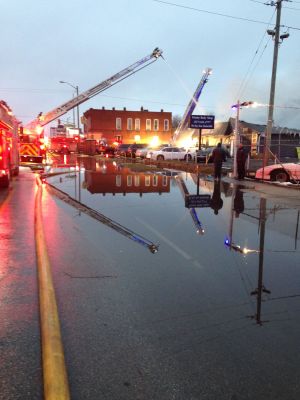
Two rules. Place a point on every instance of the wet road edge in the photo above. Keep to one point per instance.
(55, 378)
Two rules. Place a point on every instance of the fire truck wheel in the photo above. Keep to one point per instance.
(4, 182)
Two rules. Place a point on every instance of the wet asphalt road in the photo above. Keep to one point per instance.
(20, 368)
(135, 325)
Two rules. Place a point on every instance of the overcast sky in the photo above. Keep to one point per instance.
(86, 41)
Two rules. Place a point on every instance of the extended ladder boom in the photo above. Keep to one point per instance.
(184, 123)
(44, 119)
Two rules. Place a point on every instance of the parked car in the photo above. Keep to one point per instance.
(143, 151)
(133, 148)
(286, 172)
(106, 150)
(122, 150)
(204, 155)
(169, 153)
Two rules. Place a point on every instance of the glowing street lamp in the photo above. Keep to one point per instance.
(238, 248)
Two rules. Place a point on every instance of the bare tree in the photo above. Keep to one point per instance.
(176, 121)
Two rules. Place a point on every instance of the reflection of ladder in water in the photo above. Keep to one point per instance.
(105, 220)
(184, 191)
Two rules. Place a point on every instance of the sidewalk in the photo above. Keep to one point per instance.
(20, 369)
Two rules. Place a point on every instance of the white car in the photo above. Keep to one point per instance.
(142, 153)
(279, 172)
(170, 153)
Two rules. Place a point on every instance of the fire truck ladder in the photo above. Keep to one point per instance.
(123, 230)
(184, 191)
(184, 123)
(44, 119)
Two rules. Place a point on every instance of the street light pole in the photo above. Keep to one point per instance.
(236, 143)
(77, 107)
(236, 138)
(78, 127)
(77, 94)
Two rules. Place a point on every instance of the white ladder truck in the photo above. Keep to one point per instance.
(184, 123)
(32, 132)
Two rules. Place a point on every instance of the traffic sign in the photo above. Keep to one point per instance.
(197, 200)
(202, 121)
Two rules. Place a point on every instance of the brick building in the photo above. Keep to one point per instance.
(125, 126)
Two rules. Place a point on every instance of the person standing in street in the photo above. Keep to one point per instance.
(218, 156)
(216, 202)
(241, 157)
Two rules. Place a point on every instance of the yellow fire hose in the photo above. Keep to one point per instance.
(54, 370)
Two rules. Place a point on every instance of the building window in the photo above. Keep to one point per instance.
(156, 125)
(148, 124)
(137, 124)
(118, 124)
(165, 180)
(166, 125)
(129, 124)
(118, 180)
(118, 138)
(155, 180)
(136, 180)
(147, 180)
(129, 180)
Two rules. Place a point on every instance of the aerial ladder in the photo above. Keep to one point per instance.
(184, 191)
(35, 127)
(184, 123)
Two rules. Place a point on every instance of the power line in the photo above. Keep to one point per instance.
(252, 72)
(248, 75)
(210, 12)
(260, 2)
(291, 8)
(33, 90)
(220, 14)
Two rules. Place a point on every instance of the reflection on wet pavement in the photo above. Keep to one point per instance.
(246, 240)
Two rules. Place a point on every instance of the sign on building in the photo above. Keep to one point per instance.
(202, 121)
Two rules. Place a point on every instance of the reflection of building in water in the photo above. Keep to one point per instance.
(110, 177)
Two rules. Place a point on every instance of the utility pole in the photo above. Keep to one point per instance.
(236, 138)
(276, 35)
(78, 123)
(79, 144)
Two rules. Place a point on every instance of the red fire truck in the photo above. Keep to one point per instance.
(63, 145)
(32, 147)
(9, 145)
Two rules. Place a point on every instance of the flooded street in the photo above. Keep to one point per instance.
(216, 307)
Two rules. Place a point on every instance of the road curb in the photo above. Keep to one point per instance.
(56, 385)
